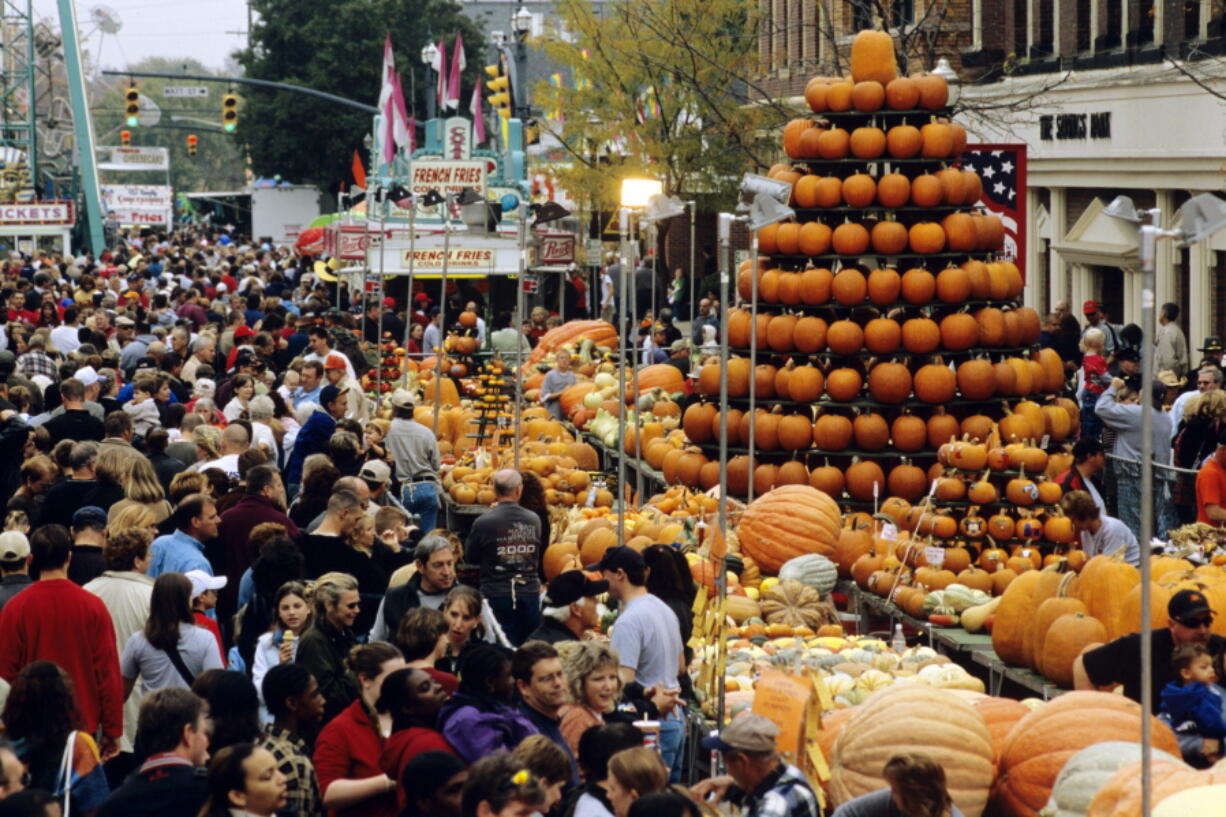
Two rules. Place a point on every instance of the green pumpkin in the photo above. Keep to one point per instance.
(811, 569)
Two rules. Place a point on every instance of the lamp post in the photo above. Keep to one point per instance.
(521, 25)
(1202, 216)
(429, 54)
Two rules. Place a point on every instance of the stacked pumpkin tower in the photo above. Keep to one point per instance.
(892, 346)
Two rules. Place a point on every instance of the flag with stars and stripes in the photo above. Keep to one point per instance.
(1002, 169)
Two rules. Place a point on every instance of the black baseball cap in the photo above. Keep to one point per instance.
(569, 587)
(619, 557)
(1188, 606)
(1128, 353)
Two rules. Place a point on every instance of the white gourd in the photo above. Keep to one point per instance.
(811, 569)
(1085, 773)
(1201, 801)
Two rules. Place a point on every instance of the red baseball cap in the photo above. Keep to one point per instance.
(244, 331)
(1090, 307)
(389, 302)
(334, 361)
(421, 296)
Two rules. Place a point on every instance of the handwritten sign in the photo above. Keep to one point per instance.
(783, 699)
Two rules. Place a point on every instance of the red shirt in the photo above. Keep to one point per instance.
(350, 748)
(1210, 490)
(207, 623)
(54, 620)
(405, 745)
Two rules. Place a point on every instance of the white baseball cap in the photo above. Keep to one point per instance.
(87, 375)
(202, 581)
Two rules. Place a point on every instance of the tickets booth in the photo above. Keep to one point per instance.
(44, 226)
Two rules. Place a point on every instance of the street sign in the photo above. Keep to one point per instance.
(136, 158)
(185, 91)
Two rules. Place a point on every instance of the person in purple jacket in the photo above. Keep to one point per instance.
(481, 717)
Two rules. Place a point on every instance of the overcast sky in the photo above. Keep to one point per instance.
(159, 28)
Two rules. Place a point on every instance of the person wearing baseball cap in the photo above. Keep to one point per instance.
(1097, 317)
(335, 373)
(758, 782)
(648, 643)
(1189, 619)
(88, 539)
(14, 564)
(416, 458)
(204, 598)
(569, 607)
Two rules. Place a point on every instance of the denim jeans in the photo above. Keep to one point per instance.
(519, 617)
(421, 499)
(672, 743)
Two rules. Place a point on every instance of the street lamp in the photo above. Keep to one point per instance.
(946, 72)
(429, 55)
(1201, 217)
(521, 26)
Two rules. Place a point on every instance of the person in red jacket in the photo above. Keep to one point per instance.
(54, 620)
(263, 501)
(413, 699)
(349, 748)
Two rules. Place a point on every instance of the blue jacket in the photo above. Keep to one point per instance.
(1194, 712)
(476, 728)
(312, 439)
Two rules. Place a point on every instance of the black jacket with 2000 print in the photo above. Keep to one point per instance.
(506, 545)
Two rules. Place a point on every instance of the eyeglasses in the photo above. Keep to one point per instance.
(1196, 624)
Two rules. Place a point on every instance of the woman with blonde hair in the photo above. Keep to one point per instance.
(1195, 442)
(591, 669)
(917, 789)
(632, 774)
(326, 643)
(186, 483)
(142, 487)
(208, 444)
(132, 516)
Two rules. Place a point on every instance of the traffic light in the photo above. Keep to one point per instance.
(125, 137)
(131, 99)
(229, 113)
(500, 84)
(191, 144)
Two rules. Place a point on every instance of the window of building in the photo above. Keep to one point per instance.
(902, 13)
(1046, 32)
(1191, 19)
(1083, 26)
(1019, 28)
(1145, 23)
(1115, 23)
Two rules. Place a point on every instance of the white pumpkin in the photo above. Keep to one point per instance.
(1085, 773)
(811, 569)
(840, 683)
(960, 597)
(873, 680)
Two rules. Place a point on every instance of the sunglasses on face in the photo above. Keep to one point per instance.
(1197, 623)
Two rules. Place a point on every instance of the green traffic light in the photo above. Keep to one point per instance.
(229, 127)
(133, 121)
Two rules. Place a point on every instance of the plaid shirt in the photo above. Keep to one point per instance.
(294, 761)
(784, 793)
(35, 362)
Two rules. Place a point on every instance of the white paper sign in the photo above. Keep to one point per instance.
(934, 557)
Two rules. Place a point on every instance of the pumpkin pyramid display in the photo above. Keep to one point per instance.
(887, 321)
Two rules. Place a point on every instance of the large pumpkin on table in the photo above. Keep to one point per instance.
(1103, 587)
(1038, 746)
(906, 718)
(1000, 714)
(787, 522)
(602, 333)
(657, 375)
(1089, 770)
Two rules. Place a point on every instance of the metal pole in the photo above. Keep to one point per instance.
(623, 221)
(753, 351)
(83, 127)
(725, 237)
(1149, 237)
(692, 205)
(260, 83)
(519, 311)
(634, 360)
(408, 296)
(442, 311)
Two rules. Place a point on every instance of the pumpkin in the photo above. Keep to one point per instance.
(893, 190)
(909, 433)
(795, 431)
(865, 142)
(873, 58)
(938, 139)
(903, 141)
(883, 336)
(902, 94)
(849, 286)
(907, 481)
(844, 384)
(976, 382)
(1041, 743)
(571, 332)
(918, 286)
(955, 737)
(833, 143)
(934, 383)
(959, 332)
(1060, 603)
(1067, 637)
(1120, 796)
(696, 421)
(844, 337)
(888, 237)
(889, 382)
(1103, 588)
(926, 190)
(860, 477)
(832, 432)
(811, 569)
(797, 605)
(1000, 714)
(926, 237)
(851, 545)
(933, 91)
(1015, 617)
(920, 336)
(870, 432)
(1087, 771)
(787, 522)
(561, 557)
(809, 334)
(859, 190)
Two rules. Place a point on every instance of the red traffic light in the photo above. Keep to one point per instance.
(125, 137)
(191, 139)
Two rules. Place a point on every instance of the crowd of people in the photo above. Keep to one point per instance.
(224, 591)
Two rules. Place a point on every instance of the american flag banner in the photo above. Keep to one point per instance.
(1003, 171)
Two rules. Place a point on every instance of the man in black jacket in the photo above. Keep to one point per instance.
(172, 781)
(505, 543)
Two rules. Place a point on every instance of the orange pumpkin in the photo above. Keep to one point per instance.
(893, 190)
(926, 237)
(860, 478)
(903, 141)
(889, 382)
(850, 239)
(873, 58)
(787, 522)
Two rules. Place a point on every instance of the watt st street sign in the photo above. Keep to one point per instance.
(185, 91)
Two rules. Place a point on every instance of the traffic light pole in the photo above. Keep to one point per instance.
(83, 127)
(259, 83)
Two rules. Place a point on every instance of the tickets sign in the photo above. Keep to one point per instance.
(44, 212)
